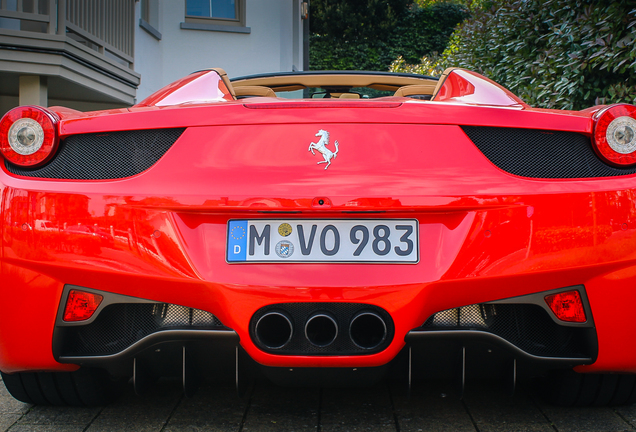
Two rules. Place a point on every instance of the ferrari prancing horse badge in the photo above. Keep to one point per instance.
(321, 147)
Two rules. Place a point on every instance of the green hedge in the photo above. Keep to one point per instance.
(373, 46)
(356, 19)
(566, 54)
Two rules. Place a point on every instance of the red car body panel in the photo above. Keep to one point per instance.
(484, 234)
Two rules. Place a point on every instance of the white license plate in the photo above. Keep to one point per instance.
(323, 240)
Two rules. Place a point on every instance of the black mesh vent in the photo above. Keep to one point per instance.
(104, 156)
(541, 154)
(120, 325)
(527, 326)
(343, 314)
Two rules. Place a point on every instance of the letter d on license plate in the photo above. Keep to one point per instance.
(320, 240)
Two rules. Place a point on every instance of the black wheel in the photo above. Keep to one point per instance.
(84, 387)
(568, 388)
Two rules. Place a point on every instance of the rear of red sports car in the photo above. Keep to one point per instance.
(325, 240)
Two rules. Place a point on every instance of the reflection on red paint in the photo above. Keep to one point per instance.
(455, 86)
(199, 87)
(464, 86)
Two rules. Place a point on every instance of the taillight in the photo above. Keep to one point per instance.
(567, 306)
(615, 134)
(81, 305)
(28, 135)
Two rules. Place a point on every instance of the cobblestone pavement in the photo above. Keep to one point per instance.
(270, 408)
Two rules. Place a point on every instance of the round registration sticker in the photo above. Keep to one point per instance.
(284, 229)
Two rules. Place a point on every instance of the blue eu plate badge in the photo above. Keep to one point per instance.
(237, 241)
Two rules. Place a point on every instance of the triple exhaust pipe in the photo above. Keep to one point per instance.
(367, 329)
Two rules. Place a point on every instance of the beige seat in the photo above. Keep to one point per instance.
(256, 91)
(415, 90)
(349, 96)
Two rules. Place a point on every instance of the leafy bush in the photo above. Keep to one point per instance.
(372, 45)
(356, 19)
(566, 54)
(431, 65)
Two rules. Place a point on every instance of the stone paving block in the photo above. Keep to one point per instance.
(431, 407)
(47, 428)
(213, 408)
(8, 420)
(588, 419)
(567, 419)
(493, 409)
(271, 408)
(59, 416)
(356, 409)
(9, 405)
(149, 412)
(275, 408)
(628, 414)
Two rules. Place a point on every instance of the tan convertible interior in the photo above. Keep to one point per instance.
(342, 85)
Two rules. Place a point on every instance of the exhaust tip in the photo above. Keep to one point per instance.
(321, 329)
(367, 330)
(274, 330)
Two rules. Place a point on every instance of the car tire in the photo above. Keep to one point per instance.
(84, 387)
(568, 388)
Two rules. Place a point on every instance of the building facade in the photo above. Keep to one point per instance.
(100, 54)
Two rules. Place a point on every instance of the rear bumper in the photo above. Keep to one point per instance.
(468, 268)
(518, 333)
(486, 236)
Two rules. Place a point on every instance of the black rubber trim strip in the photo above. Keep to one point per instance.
(415, 337)
(164, 336)
(333, 72)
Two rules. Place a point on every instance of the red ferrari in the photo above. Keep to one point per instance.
(318, 227)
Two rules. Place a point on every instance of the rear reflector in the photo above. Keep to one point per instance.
(567, 306)
(81, 305)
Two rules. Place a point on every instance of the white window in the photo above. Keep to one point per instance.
(216, 12)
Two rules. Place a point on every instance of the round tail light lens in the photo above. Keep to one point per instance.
(615, 134)
(28, 136)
